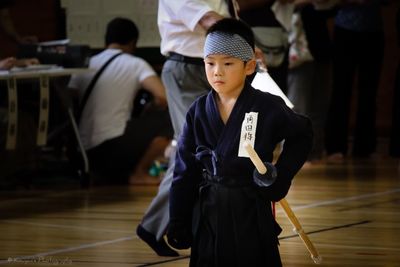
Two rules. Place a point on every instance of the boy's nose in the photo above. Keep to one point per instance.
(218, 71)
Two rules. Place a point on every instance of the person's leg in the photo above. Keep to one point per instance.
(115, 159)
(184, 83)
(156, 133)
(318, 106)
(154, 151)
(299, 86)
(336, 130)
(155, 220)
(370, 56)
(300, 93)
(280, 74)
(112, 161)
(394, 145)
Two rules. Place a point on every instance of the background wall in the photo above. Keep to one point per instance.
(87, 19)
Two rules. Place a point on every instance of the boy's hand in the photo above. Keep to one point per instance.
(179, 235)
(267, 179)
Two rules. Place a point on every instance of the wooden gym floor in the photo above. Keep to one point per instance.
(351, 213)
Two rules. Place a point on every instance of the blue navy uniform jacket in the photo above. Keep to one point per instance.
(213, 190)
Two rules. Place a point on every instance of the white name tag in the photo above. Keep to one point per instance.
(248, 133)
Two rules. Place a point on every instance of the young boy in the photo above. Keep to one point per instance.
(215, 206)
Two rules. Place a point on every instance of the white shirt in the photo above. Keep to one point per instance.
(110, 104)
(178, 24)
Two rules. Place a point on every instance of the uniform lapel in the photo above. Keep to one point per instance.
(215, 122)
(229, 133)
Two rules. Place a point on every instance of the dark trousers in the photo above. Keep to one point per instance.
(309, 89)
(361, 53)
(280, 74)
(394, 147)
(113, 160)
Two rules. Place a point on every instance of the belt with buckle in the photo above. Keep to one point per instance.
(189, 60)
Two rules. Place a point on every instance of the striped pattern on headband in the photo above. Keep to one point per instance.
(227, 44)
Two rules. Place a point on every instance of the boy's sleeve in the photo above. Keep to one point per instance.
(296, 130)
(187, 174)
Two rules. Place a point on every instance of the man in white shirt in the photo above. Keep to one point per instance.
(113, 140)
(182, 26)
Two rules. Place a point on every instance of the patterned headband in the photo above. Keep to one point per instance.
(227, 44)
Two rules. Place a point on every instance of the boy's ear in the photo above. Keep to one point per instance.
(250, 66)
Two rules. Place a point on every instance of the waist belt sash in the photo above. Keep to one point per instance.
(228, 181)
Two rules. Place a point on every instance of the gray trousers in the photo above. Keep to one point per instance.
(184, 83)
(309, 88)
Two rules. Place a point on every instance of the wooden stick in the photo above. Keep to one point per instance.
(285, 205)
(255, 158)
(299, 230)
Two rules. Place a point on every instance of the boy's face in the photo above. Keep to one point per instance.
(227, 74)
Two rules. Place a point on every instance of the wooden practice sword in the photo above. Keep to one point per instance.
(285, 205)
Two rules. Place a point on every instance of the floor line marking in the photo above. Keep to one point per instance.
(65, 226)
(364, 248)
(326, 229)
(341, 200)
